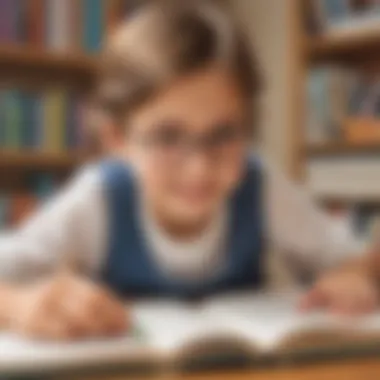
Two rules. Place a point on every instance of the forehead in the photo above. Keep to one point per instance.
(197, 100)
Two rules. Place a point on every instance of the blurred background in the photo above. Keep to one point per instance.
(320, 110)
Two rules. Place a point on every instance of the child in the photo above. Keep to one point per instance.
(180, 208)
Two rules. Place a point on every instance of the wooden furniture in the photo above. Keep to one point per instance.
(368, 369)
(29, 67)
(359, 50)
(353, 370)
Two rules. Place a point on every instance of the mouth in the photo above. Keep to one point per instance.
(196, 194)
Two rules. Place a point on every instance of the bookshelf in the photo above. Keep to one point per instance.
(354, 50)
(342, 148)
(363, 46)
(30, 160)
(48, 65)
(54, 67)
(29, 58)
(16, 59)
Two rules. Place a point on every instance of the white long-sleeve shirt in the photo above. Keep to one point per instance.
(73, 226)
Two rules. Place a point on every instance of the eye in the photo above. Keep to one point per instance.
(168, 133)
(225, 132)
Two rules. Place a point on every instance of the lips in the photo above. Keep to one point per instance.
(196, 193)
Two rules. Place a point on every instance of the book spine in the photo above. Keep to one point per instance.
(39, 116)
(317, 106)
(37, 23)
(29, 120)
(58, 14)
(76, 24)
(70, 123)
(80, 132)
(93, 25)
(48, 121)
(53, 121)
(21, 21)
(13, 120)
(2, 118)
(22, 119)
(7, 26)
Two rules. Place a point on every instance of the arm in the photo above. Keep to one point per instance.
(346, 276)
(70, 224)
(42, 244)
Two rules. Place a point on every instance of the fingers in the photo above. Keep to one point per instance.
(111, 313)
(92, 311)
(312, 300)
(71, 308)
(344, 295)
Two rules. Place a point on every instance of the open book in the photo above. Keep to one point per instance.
(245, 325)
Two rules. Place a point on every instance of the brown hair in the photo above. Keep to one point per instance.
(166, 39)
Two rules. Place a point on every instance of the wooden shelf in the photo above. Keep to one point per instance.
(39, 160)
(351, 47)
(344, 199)
(33, 61)
(342, 148)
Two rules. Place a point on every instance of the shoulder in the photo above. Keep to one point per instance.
(84, 182)
(117, 180)
(114, 170)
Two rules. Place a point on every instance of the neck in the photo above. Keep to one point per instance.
(179, 229)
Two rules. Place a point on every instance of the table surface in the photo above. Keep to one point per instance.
(368, 369)
(358, 369)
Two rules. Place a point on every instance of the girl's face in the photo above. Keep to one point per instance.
(188, 145)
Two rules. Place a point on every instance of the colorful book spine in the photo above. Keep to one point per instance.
(93, 24)
(7, 24)
(22, 20)
(2, 118)
(28, 120)
(71, 123)
(60, 24)
(37, 22)
(13, 109)
(52, 121)
(39, 116)
(47, 121)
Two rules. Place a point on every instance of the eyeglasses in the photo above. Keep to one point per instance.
(173, 146)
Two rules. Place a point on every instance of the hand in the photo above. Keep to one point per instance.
(343, 292)
(66, 307)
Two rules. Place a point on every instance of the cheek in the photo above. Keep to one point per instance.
(231, 174)
(153, 179)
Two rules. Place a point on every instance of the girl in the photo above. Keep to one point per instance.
(182, 208)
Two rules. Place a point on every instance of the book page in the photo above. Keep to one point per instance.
(19, 354)
(169, 326)
(270, 318)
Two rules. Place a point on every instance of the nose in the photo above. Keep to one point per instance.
(198, 163)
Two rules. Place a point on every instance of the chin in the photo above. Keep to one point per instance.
(194, 212)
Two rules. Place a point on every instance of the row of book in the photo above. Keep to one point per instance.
(336, 95)
(339, 18)
(17, 206)
(49, 120)
(61, 24)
